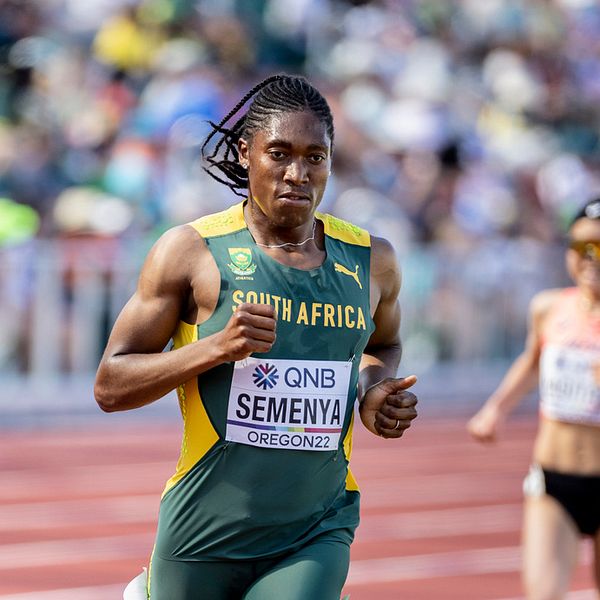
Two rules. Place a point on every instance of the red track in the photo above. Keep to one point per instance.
(440, 516)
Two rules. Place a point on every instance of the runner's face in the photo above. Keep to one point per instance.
(288, 167)
(585, 268)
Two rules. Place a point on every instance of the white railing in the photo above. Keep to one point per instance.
(59, 298)
(57, 302)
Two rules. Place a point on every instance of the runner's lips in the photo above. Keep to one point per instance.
(294, 196)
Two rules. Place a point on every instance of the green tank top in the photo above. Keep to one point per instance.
(266, 442)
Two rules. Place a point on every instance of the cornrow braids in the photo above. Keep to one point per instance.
(275, 95)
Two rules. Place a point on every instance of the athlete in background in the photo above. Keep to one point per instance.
(281, 318)
(562, 490)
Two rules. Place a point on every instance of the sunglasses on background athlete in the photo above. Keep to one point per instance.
(587, 249)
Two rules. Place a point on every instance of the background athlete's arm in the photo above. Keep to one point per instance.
(382, 396)
(521, 377)
(178, 281)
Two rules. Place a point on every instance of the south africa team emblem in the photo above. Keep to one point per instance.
(241, 261)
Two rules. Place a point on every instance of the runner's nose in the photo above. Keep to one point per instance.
(296, 172)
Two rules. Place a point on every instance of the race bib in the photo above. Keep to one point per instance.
(568, 387)
(288, 404)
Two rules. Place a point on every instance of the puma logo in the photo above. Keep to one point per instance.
(354, 274)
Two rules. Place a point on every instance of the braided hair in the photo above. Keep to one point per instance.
(275, 95)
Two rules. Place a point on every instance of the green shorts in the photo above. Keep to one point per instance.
(317, 570)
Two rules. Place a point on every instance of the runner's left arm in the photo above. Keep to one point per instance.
(386, 408)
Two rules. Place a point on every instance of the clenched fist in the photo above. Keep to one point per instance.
(387, 409)
(251, 328)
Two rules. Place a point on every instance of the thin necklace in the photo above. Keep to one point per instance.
(312, 237)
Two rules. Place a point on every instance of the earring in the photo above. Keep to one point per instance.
(244, 166)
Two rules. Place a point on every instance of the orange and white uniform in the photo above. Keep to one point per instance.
(570, 362)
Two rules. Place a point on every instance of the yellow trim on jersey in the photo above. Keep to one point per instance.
(351, 484)
(221, 223)
(199, 435)
(344, 231)
(185, 334)
(232, 219)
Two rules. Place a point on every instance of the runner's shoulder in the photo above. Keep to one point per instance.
(176, 253)
(543, 301)
(383, 255)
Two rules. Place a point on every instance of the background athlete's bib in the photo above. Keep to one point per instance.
(568, 388)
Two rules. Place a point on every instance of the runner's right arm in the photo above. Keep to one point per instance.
(134, 370)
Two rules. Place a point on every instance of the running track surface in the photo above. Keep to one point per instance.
(440, 514)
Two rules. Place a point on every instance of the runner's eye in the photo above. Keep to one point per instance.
(586, 249)
(276, 154)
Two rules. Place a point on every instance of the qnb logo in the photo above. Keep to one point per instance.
(265, 376)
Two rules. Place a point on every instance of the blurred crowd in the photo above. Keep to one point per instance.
(465, 129)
